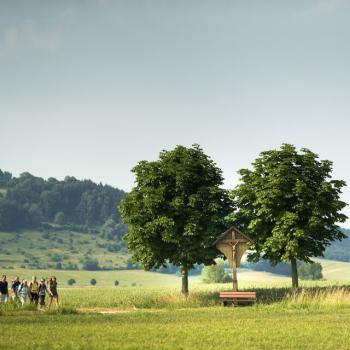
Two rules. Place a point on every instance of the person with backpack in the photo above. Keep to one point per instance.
(34, 290)
(4, 290)
(52, 289)
(23, 292)
(42, 292)
(15, 284)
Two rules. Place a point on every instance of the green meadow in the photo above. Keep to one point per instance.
(147, 311)
(197, 328)
(317, 317)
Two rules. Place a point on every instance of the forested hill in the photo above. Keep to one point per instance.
(28, 201)
(339, 250)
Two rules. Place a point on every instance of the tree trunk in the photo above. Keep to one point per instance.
(184, 273)
(295, 280)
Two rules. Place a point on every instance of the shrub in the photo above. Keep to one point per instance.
(71, 281)
(60, 218)
(311, 271)
(91, 265)
(71, 266)
(56, 258)
(93, 282)
(216, 273)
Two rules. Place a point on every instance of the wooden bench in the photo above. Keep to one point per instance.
(238, 298)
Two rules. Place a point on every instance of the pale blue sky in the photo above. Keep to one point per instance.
(89, 88)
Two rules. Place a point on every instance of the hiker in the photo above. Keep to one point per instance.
(52, 289)
(42, 292)
(23, 292)
(14, 286)
(4, 291)
(34, 291)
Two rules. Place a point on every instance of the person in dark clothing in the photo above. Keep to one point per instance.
(15, 284)
(4, 290)
(52, 289)
(42, 293)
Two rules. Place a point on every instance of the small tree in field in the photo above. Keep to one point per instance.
(176, 210)
(310, 271)
(290, 206)
(71, 281)
(216, 273)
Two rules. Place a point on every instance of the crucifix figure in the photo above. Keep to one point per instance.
(233, 243)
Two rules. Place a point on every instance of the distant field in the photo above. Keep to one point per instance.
(103, 278)
(335, 270)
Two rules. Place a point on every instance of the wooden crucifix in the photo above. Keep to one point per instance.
(233, 243)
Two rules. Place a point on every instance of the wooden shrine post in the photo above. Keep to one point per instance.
(233, 243)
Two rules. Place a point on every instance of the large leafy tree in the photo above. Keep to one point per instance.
(290, 206)
(176, 210)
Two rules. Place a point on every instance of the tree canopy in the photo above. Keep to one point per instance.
(176, 210)
(289, 205)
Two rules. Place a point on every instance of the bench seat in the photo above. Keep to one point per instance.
(238, 298)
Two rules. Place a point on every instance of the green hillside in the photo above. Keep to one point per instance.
(339, 250)
(60, 249)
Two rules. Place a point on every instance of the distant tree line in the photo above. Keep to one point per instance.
(28, 201)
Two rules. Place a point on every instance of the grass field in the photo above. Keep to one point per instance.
(154, 315)
(148, 318)
(146, 310)
(201, 328)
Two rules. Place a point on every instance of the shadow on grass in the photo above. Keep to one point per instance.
(283, 294)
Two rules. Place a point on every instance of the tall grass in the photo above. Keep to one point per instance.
(90, 299)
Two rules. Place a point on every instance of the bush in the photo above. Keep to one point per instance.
(60, 218)
(311, 271)
(71, 266)
(71, 281)
(91, 265)
(56, 257)
(116, 283)
(216, 273)
(93, 282)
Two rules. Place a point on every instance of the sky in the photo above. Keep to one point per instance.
(90, 88)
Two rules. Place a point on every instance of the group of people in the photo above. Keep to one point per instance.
(35, 291)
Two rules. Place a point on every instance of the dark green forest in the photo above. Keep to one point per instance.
(29, 201)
